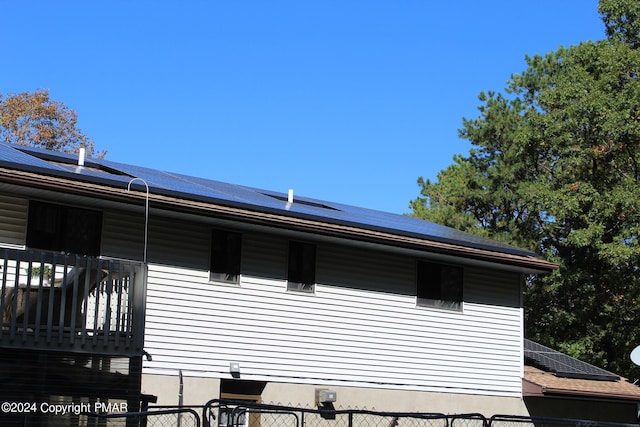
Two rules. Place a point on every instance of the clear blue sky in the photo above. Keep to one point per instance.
(347, 101)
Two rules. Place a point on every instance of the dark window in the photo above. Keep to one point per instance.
(439, 285)
(225, 256)
(64, 228)
(302, 267)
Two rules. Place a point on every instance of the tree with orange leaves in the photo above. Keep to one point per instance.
(32, 118)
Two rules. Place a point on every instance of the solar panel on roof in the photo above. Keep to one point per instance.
(563, 365)
(208, 190)
(12, 155)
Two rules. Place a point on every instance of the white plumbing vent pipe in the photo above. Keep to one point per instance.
(290, 196)
(81, 155)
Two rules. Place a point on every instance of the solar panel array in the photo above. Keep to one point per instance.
(563, 365)
(161, 182)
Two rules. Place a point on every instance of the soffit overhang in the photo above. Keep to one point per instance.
(280, 220)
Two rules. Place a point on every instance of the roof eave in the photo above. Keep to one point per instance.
(114, 191)
(531, 388)
(548, 391)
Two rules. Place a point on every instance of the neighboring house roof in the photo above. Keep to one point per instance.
(548, 372)
(167, 187)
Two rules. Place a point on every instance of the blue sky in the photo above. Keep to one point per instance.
(347, 101)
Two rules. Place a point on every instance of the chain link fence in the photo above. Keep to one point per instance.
(230, 413)
(157, 417)
(172, 417)
(516, 421)
(468, 420)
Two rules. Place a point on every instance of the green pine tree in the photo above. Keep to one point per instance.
(555, 168)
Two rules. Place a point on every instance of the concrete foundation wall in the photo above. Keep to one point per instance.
(197, 391)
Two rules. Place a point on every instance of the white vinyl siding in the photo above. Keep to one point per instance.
(123, 235)
(169, 242)
(13, 220)
(361, 327)
(186, 244)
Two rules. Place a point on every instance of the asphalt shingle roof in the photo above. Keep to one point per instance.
(552, 384)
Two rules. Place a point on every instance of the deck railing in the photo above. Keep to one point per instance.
(55, 301)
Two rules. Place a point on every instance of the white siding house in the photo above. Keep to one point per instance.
(361, 326)
(373, 313)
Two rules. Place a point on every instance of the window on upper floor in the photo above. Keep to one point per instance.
(226, 248)
(301, 274)
(439, 285)
(64, 228)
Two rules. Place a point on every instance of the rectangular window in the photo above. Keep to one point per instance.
(302, 267)
(64, 228)
(439, 285)
(225, 256)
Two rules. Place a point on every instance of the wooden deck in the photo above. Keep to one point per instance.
(54, 301)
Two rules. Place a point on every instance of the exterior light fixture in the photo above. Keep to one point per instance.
(234, 369)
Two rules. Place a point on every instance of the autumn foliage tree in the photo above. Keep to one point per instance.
(555, 168)
(32, 118)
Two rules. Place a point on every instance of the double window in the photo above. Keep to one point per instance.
(301, 273)
(226, 248)
(439, 285)
(225, 256)
(64, 228)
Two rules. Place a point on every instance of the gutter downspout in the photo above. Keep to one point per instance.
(180, 390)
(146, 216)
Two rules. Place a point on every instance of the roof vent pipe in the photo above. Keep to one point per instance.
(290, 196)
(81, 154)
